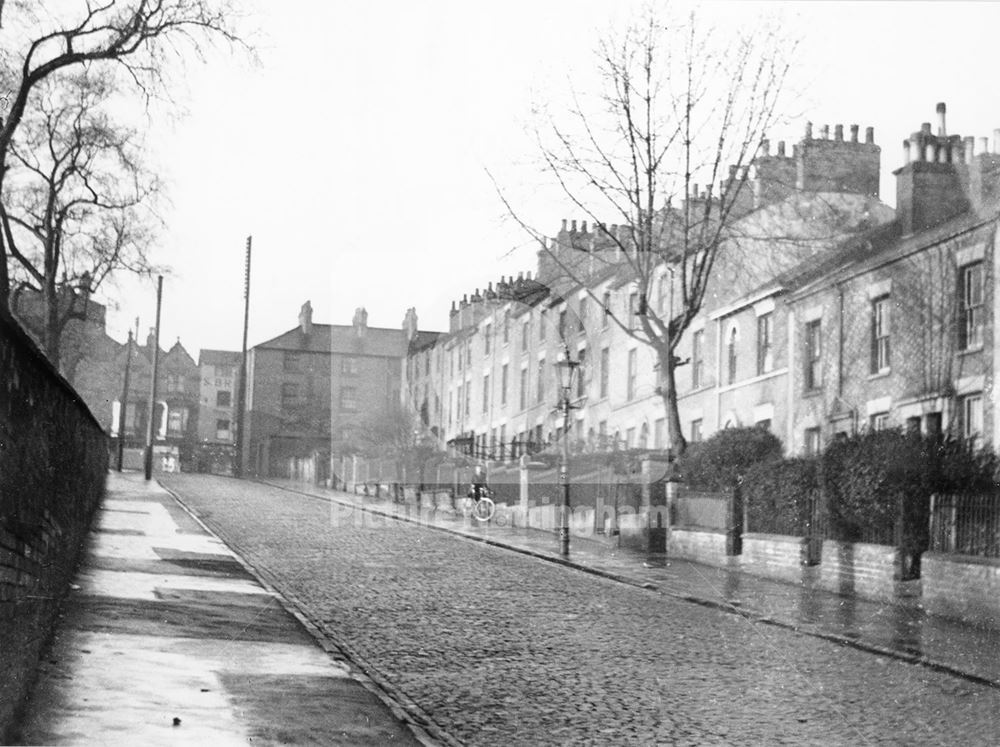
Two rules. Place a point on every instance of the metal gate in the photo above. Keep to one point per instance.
(814, 529)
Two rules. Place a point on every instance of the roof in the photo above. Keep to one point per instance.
(219, 358)
(340, 338)
(423, 340)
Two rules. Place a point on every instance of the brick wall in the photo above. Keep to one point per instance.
(961, 586)
(859, 569)
(773, 556)
(53, 464)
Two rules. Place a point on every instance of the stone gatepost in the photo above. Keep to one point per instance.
(523, 493)
(655, 502)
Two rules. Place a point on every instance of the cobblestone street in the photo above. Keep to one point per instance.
(500, 648)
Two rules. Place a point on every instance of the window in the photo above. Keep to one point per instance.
(584, 310)
(814, 356)
(630, 381)
(541, 379)
(427, 364)
(503, 385)
(972, 418)
(731, 367)
(525, 333)
(602, 433)
(697, 359)
(349, 366)
(813, 441)
(289, 395)
(581, 373)
(223, 399)
(461, 355)
(222, 429)
(543, 317)
(606, 302)
(468, 352)
(486, 339)
(660, 433)
(562, 324)
(879, 421)
(630, 438)
(880, 335)
(695, 431)
(506, 327)
(605, 371)
(292, 361)
(523, 402)
(175, 421)
(348, 399)
(467, 389)
(913, 425)
(970, 328)
(633, 307)
(765, 343)
(486, 392)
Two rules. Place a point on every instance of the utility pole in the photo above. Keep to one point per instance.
(152, 389)
(124, 405)
(241, 390)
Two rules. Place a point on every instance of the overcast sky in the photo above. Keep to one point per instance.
(356, 152)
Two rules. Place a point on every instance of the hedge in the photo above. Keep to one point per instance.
(723, 461)
(777, 493)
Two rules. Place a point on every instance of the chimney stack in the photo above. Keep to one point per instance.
(306, 318)
(942, 130)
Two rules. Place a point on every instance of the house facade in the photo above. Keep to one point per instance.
(314, 388)
(832, 313)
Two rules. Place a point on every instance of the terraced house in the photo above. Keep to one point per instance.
(830, 313)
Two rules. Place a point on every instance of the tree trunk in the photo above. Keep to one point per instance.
(50, 334)
(668, 391)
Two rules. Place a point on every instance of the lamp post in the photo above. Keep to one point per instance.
(566, 368)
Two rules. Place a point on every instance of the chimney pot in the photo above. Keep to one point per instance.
(854, 133)
(969, 149)
(563, 224)
(942, 131)
(583, 227)
(870, 135)
(572, 224)
(824, 132)
(925, 127)
(765, 147)
(838, 132)
(984, 146)
(781, 148)
(528, 275)
(809, 130)
(906, 152)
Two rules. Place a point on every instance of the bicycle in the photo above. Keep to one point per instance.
(482, 508)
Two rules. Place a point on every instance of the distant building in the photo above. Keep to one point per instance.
(219, 373)
(94, 364)
(312, 388)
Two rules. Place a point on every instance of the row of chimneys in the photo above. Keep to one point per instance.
(923, 146)
(504, 285)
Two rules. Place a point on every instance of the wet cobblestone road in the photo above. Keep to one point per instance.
(500, 648)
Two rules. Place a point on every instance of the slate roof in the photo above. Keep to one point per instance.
(219, 358)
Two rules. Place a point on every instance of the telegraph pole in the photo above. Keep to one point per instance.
(152, 389)
(124, 405)
(241, 390)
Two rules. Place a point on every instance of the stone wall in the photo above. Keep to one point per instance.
(773, 556)
(962, 586)
(701, 546)
(860, 569)
(53, 466)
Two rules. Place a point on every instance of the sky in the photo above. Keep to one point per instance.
(358, 151)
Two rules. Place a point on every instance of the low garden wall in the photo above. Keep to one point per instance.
(961, 586)
(859, 569)
(776, 556)
(706, 546)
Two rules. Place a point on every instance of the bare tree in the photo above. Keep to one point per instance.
(680, 106)
(79, 202)
(142, 38)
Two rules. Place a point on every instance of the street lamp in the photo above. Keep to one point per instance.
(566, 368)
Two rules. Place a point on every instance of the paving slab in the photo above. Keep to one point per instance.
(168, 639)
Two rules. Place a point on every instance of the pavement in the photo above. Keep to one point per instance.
(901, 630)
(169, 639)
